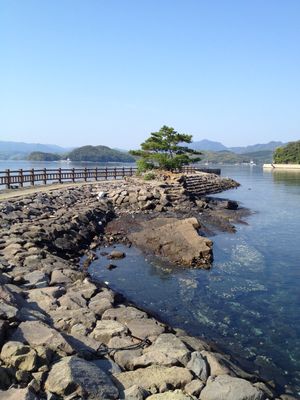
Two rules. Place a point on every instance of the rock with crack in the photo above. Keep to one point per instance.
(73, 375)
(174, 239)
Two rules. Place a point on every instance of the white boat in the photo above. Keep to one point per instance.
(252, 163)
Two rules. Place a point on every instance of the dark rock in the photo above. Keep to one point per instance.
(114, 255)
(74, 375)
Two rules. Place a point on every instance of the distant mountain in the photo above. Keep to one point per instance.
(207, 145)
(228, 157)
(256, 147)
(289, 154)
(99, 154)
(20, 150)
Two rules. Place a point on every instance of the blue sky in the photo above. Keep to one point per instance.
(110, 72)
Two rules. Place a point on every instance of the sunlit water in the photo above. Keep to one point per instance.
(249, 301)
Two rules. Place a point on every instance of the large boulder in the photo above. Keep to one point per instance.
(174, 239)
(36, 333)
(154, 376)
(75, 375)
(225, 387)
(18, 355)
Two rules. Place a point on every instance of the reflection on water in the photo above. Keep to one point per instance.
(249, 301)
(287, 177)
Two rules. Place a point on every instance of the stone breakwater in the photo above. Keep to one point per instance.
(64, 337)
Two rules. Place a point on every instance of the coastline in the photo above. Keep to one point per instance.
(46, 233)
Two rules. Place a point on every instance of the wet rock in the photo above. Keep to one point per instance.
(154, 376)
(105, 330)
(225, 387)
(18, 394)
(73, 375)
(176, 240)
(199, 366)
(231, 205)
(114, 255)
(36, 333)
(111, 266)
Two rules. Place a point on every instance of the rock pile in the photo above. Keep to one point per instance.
(65, 337)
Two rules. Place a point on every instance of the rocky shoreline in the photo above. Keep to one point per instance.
(63, 336)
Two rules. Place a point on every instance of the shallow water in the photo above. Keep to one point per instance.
(249, 301)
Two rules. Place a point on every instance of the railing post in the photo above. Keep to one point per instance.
(45, 176)
(115, 173)
(106, 173)
(96, 173)
(85, 174)
(123, 172)
(21, 177)
(131, 172)
(7, 178)
(32, 176)
(59, 175)
(73, 175)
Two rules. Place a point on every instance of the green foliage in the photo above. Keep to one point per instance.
(99, 154)
(149, 176)
(289, 154)
(163, 150)
(143, 165)
(41, 156)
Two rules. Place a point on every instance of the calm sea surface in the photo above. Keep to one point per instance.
(249, 301)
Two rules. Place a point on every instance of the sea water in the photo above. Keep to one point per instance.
(248, 302)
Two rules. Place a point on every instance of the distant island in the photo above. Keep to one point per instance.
(212, 152)
(84, 153)
(289, 154)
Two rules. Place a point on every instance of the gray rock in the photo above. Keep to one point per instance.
(171, 346)
(154, 376)
(123, 314)
(194, 388)
(36, 279)
(74, 375)
(105, 330)
(17, 394)
(107, 365)
(99, 305)
(37, 333)
(124, 358)
(135, 393)
(225, 387)
(198, 365)
(221, 365)
(175, 395)
(145, 327)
